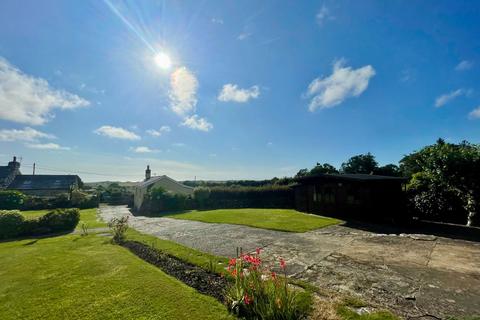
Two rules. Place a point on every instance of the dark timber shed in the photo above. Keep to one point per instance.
(360, 196)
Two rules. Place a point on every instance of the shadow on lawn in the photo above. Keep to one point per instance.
(35, 238)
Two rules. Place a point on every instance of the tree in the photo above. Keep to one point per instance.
(323, 168)
(362, 163)
(302, 173)
(445, 174)
(389, 170)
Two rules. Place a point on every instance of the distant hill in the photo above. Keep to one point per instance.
(127, 184)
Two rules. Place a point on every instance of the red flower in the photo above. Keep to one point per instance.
(234, 272)
(282, 263)
(247, 299)
(274, 275)
(232, 262)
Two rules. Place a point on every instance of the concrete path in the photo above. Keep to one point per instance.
(412, 275)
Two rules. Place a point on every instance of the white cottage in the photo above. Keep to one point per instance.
(164, 182)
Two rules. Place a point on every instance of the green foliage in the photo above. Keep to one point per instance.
(158, 200)
(115, 193)
(362, 163)
(11, 224)
(322, 169)
(119, 227)
(201, 196)
(259, 293)
(251, 197)
(11, 199)
(445, 181)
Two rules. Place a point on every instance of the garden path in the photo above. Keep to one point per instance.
(410, 274)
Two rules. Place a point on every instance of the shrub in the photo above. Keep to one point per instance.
(158, 199)
(11, 199)
(259, 293)
(59, 220)
(119, 227)
(201, 195)
(83, 200)
(11, 224)
(251, 197)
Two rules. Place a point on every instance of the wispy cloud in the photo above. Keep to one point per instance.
(26, 99)
(197, 123)
(116, 133)
(46, 146)
(231, 92)
(407, 75)
(448, 97)
(25, 134)
(323, 15)
(159, 132)
(183, 91)
(464, 65)
(343, 83)
(144, 149)
(244, 35)
(178, 144)
(217, 20)
(475, 113)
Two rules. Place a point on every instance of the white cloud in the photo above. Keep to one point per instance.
(343, 83)
(116, 132)
(178, 144)
(323, 15)
(31, 100)
(475, 113)
(183, 91)
(244, 35)
(448, 97)
(217, 20)
(197, 123)
(464, 65)
(144, 150)
(25, 134)
(46, 146)
(158, 133)
(231, 92)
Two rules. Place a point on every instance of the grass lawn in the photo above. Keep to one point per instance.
(274, 219)
(87, 216)
(75, 277)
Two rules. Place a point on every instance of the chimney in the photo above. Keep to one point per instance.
(14, 165)
(148, 173)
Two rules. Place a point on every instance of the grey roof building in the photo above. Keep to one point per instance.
(40, 185)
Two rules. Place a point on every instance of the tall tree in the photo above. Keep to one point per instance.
(323, 168)
(362, 163)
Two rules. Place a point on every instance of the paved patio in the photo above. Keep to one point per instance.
(412, 275)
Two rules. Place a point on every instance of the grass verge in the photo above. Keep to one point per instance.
(274, 219)
(75, 277)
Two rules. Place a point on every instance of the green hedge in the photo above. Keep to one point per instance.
(247, 197)
(13, 223)
(11, 199)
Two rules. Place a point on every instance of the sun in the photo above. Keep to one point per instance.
(163, 61)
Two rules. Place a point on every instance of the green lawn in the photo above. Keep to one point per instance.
(274, 219)
(75, 277)
(87, 216)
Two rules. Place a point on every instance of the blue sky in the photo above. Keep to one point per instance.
(254, 89)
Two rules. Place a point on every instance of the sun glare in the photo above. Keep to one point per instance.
(163, 60)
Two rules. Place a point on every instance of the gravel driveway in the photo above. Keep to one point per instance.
(412, 275)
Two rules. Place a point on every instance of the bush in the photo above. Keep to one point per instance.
(158, 199)
(11, 199)
(11, 224)
(259, 293)
(119, 227)
(201, 195)
(59, 220)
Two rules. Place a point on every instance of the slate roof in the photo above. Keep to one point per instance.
(4, 172)
(351, 177)
(44, 182)
(152, 180)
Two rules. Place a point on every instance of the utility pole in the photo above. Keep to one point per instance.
(34, 168)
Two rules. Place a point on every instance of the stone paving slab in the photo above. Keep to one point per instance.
(410, 274)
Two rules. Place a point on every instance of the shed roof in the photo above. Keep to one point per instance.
(351, 177)
(42, 182)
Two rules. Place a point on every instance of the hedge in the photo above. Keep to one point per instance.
(11, 199)
(13, 223)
